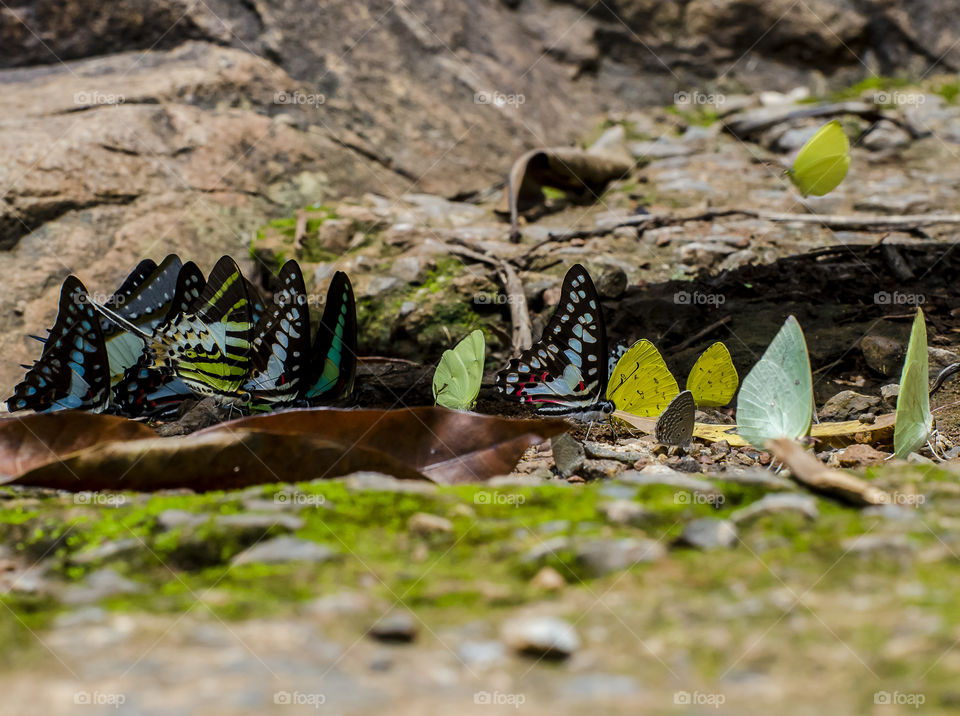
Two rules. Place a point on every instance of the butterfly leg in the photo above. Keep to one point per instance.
(589, 428)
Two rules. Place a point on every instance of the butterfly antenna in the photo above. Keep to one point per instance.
(119, 320)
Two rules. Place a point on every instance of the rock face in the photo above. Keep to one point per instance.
(132, 129)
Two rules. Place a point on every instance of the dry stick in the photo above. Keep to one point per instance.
(519, 315)
(806, 469)
(851, 222)
(700, 334)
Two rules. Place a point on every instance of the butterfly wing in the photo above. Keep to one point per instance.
(72, 372)
(914, 420)
(675, 424)
(281, 343)
(823, 161)
(456, 382)
(208, 347)
(641, 383)
(567, 368)
(143, 299)
(713, 380)
(145, 390)
(776, 397)
(333, 358)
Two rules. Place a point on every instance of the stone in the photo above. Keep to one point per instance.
(592, 688)
(98, 585)
(173, 518)
(883, 545)
(397, 627)
(601, 469)
(548, 579)
(627, 512)
(776, 504)
(600, 557)
(847, 405)
(889, 394)
(541, 637)
(660, 149)
(542, 550)
(114, 549)
(757, 477)
(883, 355)
(482, 654)
(379, 482)
(407, 268)
(662, 475)
(612, 283)
(284, 549)
(599, 451)
(860, 455)
(423, 523)
(568, 454)
(940, 357)
(709, 533)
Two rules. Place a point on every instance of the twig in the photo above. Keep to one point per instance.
(850, 222)
(519, 315)
(700, 334)
(807, 470)
(749, 123)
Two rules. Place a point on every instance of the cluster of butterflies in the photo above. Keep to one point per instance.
(167, 334)
(566, 372)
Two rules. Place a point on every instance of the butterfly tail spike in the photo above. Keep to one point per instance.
(119, 320)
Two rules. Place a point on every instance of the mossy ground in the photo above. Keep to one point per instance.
(790, 601)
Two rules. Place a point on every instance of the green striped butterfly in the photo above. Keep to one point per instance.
(207, 347)
(333, 358)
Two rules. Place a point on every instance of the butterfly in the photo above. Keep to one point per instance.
(641, 383)
(823, 161)
(73, 370)
(676, 422)
(565, 373)
(713, 380)
(776, 397)
(914, 419)
(281, 343)
(156, 392)
(333, 357)
(456, 382)
(144, 299)
(208, 346)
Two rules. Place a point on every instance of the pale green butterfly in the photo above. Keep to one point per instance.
(456, 381)
(776, 397)
(822, 162)
(914, 420)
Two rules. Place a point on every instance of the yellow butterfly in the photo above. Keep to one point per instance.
(641, 383)
(822, 162)
(713, 380)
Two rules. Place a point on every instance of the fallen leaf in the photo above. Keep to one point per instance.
(29, 441)
(448, 446)
(218, 460)
(583, 175)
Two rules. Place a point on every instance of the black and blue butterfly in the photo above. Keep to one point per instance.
(147, 391)
(333, 357)
(73, 369)
(565, 373)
